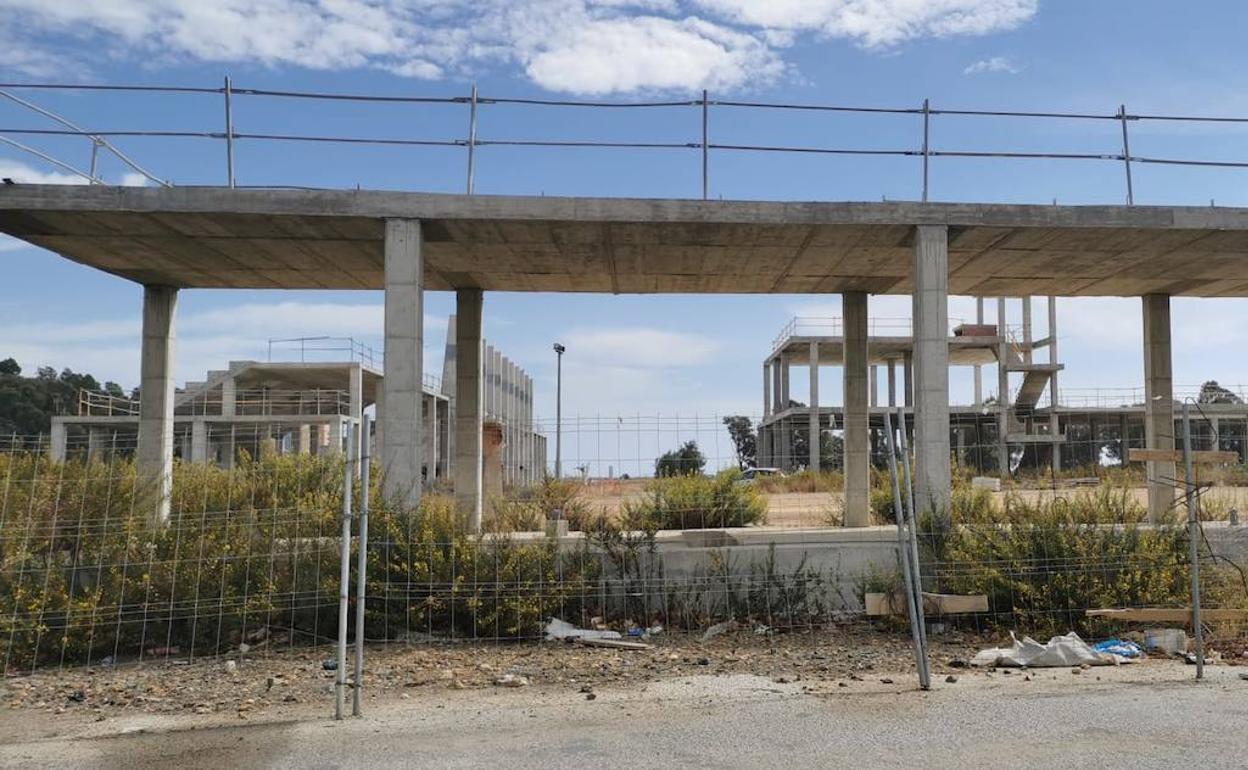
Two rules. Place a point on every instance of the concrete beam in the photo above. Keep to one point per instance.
(155, 449)
(1158, 403)
(933, 476)
(469, 398)
(400, 455)
(857, 401)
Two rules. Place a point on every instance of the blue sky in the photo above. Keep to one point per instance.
(627, 355)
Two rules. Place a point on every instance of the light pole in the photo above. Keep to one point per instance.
(559, 410)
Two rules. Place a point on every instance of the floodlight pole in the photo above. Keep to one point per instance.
(559, 350)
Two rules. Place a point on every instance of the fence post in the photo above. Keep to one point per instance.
(361, 577)
(1126, 153)
(472, 139)
(1193, 532)
(344, 575)
(705, 147)
(229, 131)
(927, 118)
(914, 596)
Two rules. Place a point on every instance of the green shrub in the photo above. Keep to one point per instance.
(698, 502)
(84, 574)
(1042, 564)
(528, 508)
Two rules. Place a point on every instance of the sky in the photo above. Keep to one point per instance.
(627, 355)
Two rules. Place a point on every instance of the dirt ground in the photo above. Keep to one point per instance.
(851, 655)
(738, 700)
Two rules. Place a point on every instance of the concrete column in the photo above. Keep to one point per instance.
(304, 445)
(469, 394)
(979, 373)
(199, 441)
(335, 437)
(907, 379)
(892, 383)
(856, 412)
(58, 441)
(1214, 433)
(95, 444)
(1003, 392)
(812, 461)
(931, 351)
(400, 455)
(1054, 421)
(767, 389)
(1158, 403)
(873, 385)
(229, 397)
(155, 449)
(787, 460)
(433, 445)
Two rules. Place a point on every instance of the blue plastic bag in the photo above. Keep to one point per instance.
(1123, 649)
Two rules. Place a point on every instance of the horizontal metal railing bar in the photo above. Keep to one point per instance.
(582, 103)
(348, 97)
(813, 107)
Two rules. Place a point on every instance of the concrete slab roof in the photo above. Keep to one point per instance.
(211, 237)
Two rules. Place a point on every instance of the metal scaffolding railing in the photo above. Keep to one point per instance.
(702, 107)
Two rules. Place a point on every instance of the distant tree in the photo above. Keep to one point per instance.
(744, 439)
(27, 404)
(1213, 393)
(686, 461)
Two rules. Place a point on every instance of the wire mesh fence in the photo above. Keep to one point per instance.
(249, 558)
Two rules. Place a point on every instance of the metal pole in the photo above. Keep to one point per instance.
(361, 576)
(472, 139)
(344, 579)
(559, 410)
(229, 131)
(95, 157)
(912, 518)
(705, 148)
(903, 556)
(1126, 153)
(1193, 532)
(927, 120)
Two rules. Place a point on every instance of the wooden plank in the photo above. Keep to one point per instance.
(1204, 456)
(615, 644)
(1169, 615)
(881, 604)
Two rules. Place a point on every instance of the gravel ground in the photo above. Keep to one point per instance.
(836, 697)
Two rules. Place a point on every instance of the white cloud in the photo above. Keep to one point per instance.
(640, 347)
(581, 46)
(23, 174)
(991, 64)
(879, 23)
(208, 339)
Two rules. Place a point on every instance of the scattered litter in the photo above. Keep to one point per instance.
(512, 680)
(762, 630)
(1123, 649)
(230, 667)
(1171, 641)
(330, 664)
(719, 628)
(1066, 650)
(951, 679)
(77, 696)
(563, 631)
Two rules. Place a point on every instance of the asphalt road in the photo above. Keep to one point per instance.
(1055, 720)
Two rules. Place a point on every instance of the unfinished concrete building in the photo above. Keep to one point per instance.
(514, 451)
(168, 239)
(310, 407)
